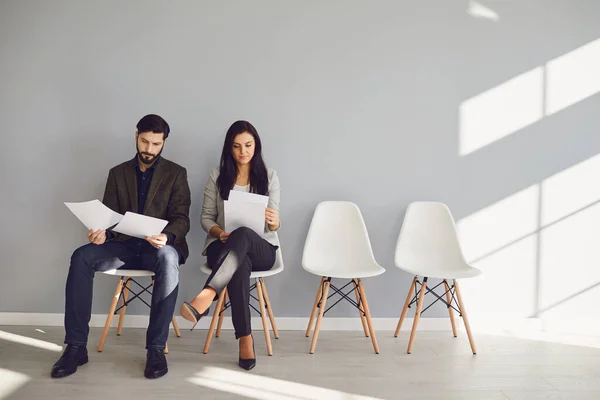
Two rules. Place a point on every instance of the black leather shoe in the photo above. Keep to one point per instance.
(156, 364)
(248, 363)
(67, 364)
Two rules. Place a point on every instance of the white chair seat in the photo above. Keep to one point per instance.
(255, 274)
(346, 271)
(337, 244)
(129, 272)
(442, 272)
(428, 243)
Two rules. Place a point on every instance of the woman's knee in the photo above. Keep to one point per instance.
(242, 273)
(241, 233)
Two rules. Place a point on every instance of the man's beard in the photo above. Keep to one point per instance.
(147, 158)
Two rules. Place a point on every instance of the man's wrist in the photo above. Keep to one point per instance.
(170, 238)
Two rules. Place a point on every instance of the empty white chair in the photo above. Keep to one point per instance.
(122, 292)
(428, 246)
(338, 246)
(263, 302)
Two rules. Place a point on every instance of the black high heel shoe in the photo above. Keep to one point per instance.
(248, 363)
(197, 316)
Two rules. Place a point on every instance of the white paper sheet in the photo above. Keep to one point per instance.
(140, 226)
(94, 215)
(236, 195)
(244, 213)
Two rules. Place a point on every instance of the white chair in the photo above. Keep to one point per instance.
(263, 302)
(338, 246)
(122, 292)
(428, 246)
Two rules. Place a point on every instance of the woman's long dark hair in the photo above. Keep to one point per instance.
(259, 180)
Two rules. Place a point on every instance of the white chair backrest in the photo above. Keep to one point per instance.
(428, 238)
(337, 237)
(278, 254)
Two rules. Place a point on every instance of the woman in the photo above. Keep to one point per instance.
(233, 255)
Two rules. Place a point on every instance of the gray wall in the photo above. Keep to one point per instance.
(355, 100)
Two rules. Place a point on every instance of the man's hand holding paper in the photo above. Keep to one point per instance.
(97, 218)
(142, 227)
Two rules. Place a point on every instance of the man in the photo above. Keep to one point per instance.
(149, 185)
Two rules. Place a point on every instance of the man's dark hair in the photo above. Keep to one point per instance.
(153, 123)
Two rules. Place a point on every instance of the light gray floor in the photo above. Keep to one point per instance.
(344, 367)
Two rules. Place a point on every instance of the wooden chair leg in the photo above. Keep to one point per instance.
(313, 344)
(411, 291)
(269, 309)
(463, 312)
(111, 312)
(417, 315)
(363, 319)
(450, 309)
(263, 314)
(122, 313)
(176, 327)
(213, 322)
(368, 315)
(314, 309)
(222, 314)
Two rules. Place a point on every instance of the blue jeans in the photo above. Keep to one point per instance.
(129, 254)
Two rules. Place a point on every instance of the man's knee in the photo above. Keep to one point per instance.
(167, 258)
(82, 255)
